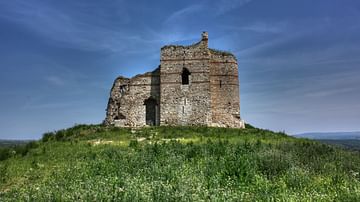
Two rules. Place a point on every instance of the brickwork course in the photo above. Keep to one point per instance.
(193, 85)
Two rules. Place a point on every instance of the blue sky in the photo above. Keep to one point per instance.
(299, 60)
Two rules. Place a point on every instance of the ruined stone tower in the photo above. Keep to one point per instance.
(194, 85)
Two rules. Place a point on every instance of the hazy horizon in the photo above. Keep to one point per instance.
(298, 60)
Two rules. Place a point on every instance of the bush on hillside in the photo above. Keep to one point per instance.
(249, 126)
(4, 153)
(7, 152)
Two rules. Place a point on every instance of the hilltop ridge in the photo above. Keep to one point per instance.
(93, 162)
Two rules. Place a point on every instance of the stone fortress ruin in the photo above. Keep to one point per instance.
(193, 85)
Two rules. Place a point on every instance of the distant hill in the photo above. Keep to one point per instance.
(97, 163)
(9, 143)
(346, 140)
(331, 135)
(350, 144)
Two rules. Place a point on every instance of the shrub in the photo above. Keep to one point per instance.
(4, 153)
(133, 144)
(249, 126)
(48, 136)
(24, 149)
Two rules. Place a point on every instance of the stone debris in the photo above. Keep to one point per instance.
(141, 139)
(99, 142)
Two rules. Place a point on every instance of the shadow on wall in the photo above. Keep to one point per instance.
(152, 104)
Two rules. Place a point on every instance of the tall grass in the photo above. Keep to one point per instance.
(179, 164)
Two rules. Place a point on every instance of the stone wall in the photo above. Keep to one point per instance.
(225, 98)
(126, 105)
(185, 104)
(194, 85)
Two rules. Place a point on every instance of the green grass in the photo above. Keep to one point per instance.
(95, 163)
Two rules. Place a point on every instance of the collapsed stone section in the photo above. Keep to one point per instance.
(134, 102)
(194, 85)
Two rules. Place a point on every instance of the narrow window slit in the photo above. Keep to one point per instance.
(185, 76)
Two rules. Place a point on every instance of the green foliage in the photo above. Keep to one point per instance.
(5, 153)
(133, 143)
(97, 163)
(249, 126)
(22, 150)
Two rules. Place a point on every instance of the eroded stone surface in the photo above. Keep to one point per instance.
(194, 85)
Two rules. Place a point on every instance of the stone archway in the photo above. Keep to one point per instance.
(151, 108)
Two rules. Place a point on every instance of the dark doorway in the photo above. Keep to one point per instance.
(185, 76)
(151, 109)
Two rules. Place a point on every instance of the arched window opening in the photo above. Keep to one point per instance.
(220, 83)
(185, 76)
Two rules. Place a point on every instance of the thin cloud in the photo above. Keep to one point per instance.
(183, 14)
(53, 105)
(225, 6)
(54, 80)
(328, 92)
(263, 27)
(65, 27)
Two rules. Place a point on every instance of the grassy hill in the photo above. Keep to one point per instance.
(91, 162)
